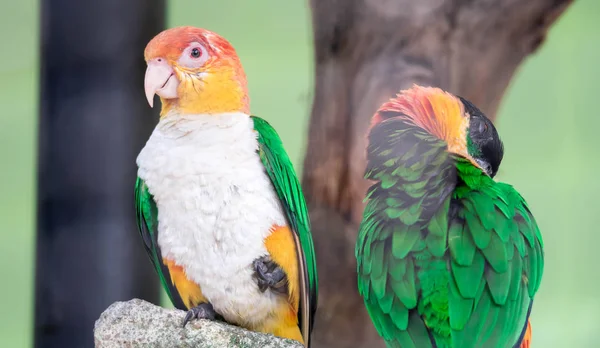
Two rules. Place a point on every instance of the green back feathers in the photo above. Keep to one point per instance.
(147, 221)
(281, 172)
(444, 253)
(402, 237)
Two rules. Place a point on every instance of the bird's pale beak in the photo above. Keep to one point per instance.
(160, 79)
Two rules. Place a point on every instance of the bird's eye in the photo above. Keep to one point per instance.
(195, 53)
(483, 127)
(194, 56)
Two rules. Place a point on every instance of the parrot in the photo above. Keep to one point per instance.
(446, 256)
(218, 204)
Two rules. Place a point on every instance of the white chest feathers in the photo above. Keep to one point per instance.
(216, 205)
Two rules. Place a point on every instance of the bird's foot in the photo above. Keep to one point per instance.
(269, 275)
(202, 311)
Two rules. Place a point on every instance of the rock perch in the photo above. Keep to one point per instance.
(137, 323)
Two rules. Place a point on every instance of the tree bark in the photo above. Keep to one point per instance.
(93, 121)
(366, 51)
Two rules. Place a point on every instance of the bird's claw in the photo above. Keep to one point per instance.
(269, 275)
(202, 311)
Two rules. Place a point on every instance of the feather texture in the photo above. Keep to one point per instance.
(147, 222)
(281, 172)
(263, 171)
(446, 256)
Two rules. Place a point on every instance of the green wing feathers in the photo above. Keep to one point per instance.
(281, 172)
(496, 261)
(147, 221)
(446, 257)
(402, 239)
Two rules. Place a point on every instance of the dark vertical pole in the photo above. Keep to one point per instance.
(93, 121)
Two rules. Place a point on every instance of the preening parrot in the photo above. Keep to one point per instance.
(446, 256)
(219, 207)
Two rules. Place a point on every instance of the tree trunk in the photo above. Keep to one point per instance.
(93, 121)
(366, 51)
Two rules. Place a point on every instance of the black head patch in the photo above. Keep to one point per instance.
(484, 143)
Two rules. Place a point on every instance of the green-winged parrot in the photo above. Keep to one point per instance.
(446, 256)
(219, 206)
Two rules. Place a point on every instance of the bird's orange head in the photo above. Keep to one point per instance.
(465, 129)
(195, 71)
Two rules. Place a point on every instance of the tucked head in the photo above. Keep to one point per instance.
(194, 71)
(466, 130)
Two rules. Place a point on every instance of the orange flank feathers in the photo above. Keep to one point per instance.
(284, 321)
(217, 85)
(280, 245)
(189, 291)
(527, 338)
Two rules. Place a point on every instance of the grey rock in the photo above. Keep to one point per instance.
(138, 323)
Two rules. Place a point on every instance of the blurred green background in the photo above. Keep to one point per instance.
(547, 120)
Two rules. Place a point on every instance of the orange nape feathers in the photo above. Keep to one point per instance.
(217, 86)
(432, 109)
